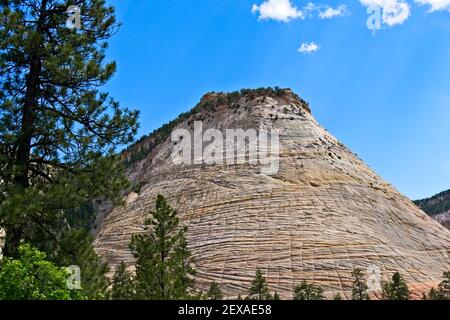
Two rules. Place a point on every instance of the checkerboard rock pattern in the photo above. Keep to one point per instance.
(324, 214)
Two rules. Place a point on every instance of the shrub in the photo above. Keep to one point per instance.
(32, 277)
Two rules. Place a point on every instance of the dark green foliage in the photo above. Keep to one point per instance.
(433, 294)
(32, 277)
(137, 155)
(444, 286)
(58, 131)
(82, 217)
(196, 295)
(359, 288)
(136, 188)
(396, 288)
(306, 291)
(76, 249)
(259, 289)
(163, 262)
(337, 297)
(214, 292)
(437, 204)
(122, 284)
(443, 290)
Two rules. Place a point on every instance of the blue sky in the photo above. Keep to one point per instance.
(386, 94)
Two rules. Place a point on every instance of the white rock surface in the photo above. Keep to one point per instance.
(323, 215)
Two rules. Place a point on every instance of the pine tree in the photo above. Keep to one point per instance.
(444, 286)
(214, 292)
(58, 131)
(276, 296)
(122, 284)
(181, 262)
(75, 248)
(359, 288)
(443, 290)
(163, 263)
(433, 294)
(337, 297)
(259, 289)
(306, 291)
(396, 289)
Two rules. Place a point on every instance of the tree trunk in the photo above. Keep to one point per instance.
(22, 161)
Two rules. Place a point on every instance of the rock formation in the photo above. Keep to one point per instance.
(323, 214)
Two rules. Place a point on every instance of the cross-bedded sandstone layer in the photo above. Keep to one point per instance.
(322, 215)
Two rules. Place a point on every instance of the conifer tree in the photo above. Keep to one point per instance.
(259, 289)
(337, 297)
(359, 288)
(122, 284)
(214, 292)
(75, 248)
(396, 288)
(442, 292)
(306, 291)
(444, 286)
(433, 294)
(58, 130)
(163, 262)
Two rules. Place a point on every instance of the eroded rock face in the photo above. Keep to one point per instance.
(322, 215)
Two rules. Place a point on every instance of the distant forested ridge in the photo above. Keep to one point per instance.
(435, 205)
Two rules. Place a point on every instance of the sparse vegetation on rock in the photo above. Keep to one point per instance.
(140, 150)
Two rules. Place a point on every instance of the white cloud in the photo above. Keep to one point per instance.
(280, 10)
(324, 11)
(328, 12)
(285, 10)
(309, 9)
(436, 5)
(307, 48)
(393, 11)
